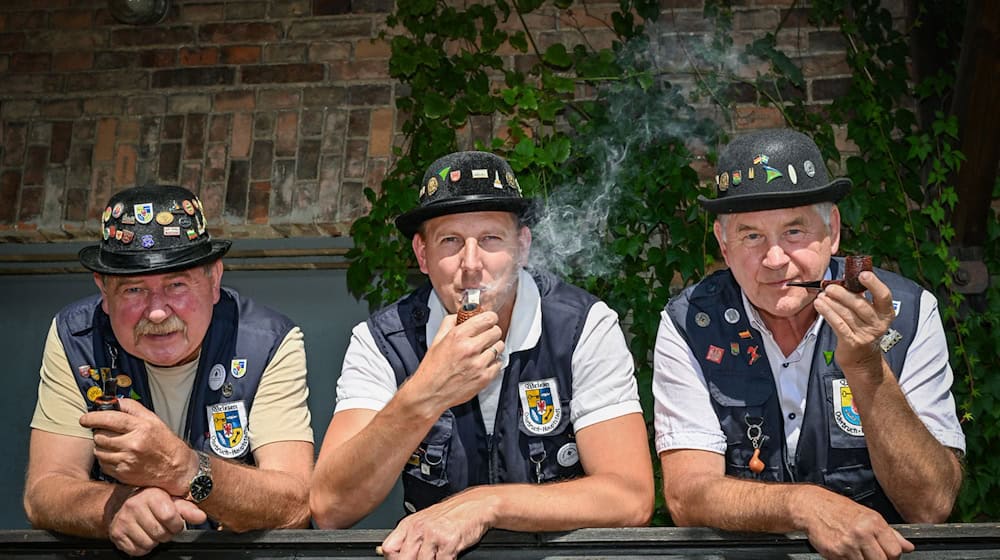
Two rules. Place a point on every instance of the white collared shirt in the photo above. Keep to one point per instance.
(604, 386)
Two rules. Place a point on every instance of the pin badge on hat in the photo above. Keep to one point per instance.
(143, 212)
(116, 212)
(809, 168)
(432, 186)
(164, 218)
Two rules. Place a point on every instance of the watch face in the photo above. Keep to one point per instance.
(201, 486)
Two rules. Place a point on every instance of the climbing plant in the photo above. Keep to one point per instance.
(608, 139)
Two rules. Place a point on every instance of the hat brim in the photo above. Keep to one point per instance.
(756, 202)
(151, 262)
(409, 222)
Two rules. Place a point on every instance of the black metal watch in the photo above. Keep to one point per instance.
(201, 484)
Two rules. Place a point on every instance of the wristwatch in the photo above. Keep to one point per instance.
(201, 484)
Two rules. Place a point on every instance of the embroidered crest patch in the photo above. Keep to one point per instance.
(228, 422)
(541, 409)
(844, 411)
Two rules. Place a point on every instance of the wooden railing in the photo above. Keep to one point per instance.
(945, 542)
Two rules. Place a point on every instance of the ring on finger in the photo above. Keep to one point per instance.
(496, 355)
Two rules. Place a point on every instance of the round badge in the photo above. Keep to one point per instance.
(116, 212)
(105, 233)
(732, 316)
(147, 241)
(216, 376)
(568, 455)
(93, 393)
(227, 390)
(124, 380)
(188, 207)
(164, 218)
(809, 168)
(107, 214)
(184, 222)
(432, 186)
(702, 320)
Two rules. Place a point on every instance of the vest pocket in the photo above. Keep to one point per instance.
(738, 397)
(429, 462)
(856, 482)
(552, 455)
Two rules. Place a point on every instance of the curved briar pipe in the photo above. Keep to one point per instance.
(470, 305)
(853, 265)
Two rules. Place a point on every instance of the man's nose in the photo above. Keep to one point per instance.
(471, 260)
(776, 257)
(159, 310)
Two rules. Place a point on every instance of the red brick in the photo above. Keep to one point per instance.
(145, 36)
(325, 52)
(283, 182)
(34, 165)
(73, 60)
(330, 7)
(10, 42)
(202, 13)
(170, 160)
(242, 135)
(236, 191)
(62, 133)
(75, 207)
(307, 159)
(380, 140)
(218, 127)
(311, 123)
(281, 73)
(371, 69)
(334, 131)
(279, 99)
(754, 117)
(62, 108)
(286, 135)
(191, 176)
(357, 153)
(10, 184)
(173, 127)
(105, 105)
(359, 123)
(228, 101)
(157, 58)
(353, 204)
(323, 29)
(125, 164)
(194, 136)
(241, 54)
(32, 200)
(198, 57)
(194, 77)
(80, 158)
(15, 139)
(329, 189)
(106, 131)
(111, 80)
(30, 62)
(101, 187)
(372, 48)
(27, 20)
(369, 95)
(261, 159)
(284, 52)
(246, 10)
(215, 169)
(824, 65)
(75, 19)
(257, 32)
(585, 16)
(260, 202)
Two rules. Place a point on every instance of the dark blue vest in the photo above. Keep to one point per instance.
(743, 390)
(239, 329)
(457, 452)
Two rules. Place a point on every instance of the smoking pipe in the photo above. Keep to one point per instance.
(853, 265)
(470, 305)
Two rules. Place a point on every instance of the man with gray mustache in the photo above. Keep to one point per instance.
(167, 401)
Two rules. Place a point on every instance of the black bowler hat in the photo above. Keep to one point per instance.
(771, 169)
(466, 182)
(152, 230)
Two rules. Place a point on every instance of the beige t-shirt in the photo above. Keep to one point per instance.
(279, 412)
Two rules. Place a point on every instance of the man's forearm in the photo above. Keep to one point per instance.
(82, 508)
(353, 478)
(245, 498)
(920, 476)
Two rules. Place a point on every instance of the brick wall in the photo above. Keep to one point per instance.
(277, 112)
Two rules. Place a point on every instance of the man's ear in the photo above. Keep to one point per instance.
(419, 251)
(834, 229)
(717, 230)
(217, 269)
(524, 244)
(99, 280)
